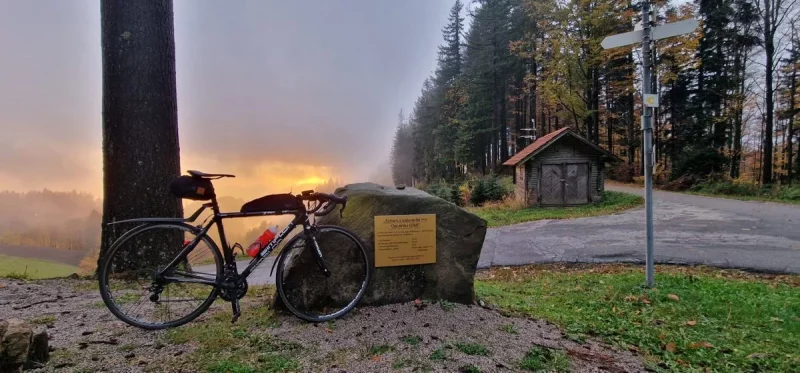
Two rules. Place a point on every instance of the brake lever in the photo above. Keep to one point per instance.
(341, 210)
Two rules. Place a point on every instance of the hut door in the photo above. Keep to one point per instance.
(577, 184)
(552, 184)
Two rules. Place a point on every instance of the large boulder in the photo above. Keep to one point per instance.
(459, 239)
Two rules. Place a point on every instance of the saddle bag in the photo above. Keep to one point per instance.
(193, 188)
(273, 202)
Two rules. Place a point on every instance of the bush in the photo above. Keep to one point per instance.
(490, 188)
(445, 191)
(791, 193)
(727, 187)
(621, 172)
(701, 162)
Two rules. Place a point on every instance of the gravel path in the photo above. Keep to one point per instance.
(87, 338)
(688, 230)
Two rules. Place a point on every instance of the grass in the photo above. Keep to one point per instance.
(469, 369)
(439, 354)
(695, 319)
(509, 328)
(612, 202)
(472, 349)
(241, 348)
(542, 359)
(412, 340)
(379, 350)
(31, 269)
(43, 320)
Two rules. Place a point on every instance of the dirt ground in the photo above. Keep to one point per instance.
(86, 337)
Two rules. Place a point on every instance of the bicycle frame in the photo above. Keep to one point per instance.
(301, 218)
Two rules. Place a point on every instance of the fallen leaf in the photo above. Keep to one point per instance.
(775, 319)
(670, 347)
(706, 344)
(645, 301)
(631, 298)
(681, 362)
(328, 330)
(376, 358)
(694, 345)
(661, 337)
(673, 297)
(633, 348)
(691, 323)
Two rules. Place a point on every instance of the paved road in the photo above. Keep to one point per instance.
(688, 229)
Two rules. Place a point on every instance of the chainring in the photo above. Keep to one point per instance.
(237, 293)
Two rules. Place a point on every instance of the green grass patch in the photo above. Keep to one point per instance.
(695, 319)
(469, 369)
(747, 191)
(412, 340)
(509, 328)
(242, 347)
(31, 269)
(379, 350)
(439, 354)
(611, 202)
(472, 349)
(542, 359)
(43, 320)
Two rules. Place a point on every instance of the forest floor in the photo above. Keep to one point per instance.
(432, 337)
(557, 318)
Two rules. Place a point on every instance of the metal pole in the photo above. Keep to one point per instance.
(647, 138)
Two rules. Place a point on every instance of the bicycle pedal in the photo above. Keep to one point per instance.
(236, 311)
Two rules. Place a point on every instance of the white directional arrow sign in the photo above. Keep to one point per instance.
(661, 32)
(669, 30)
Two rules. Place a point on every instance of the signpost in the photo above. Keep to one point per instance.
(405, 240)
(650, 100)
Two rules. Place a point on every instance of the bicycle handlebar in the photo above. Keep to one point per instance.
(328, 200)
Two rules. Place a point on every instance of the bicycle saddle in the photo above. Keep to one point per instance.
(204, 175)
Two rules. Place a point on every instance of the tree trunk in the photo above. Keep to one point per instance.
(140, 120)
(769, 49)
(790, 130)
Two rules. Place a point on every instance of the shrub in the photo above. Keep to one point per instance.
(728, 187)
(621, 172)
(445, 191)
(490, 188)
(700, 162)
(791, 193)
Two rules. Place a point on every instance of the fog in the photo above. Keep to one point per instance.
(284, 94)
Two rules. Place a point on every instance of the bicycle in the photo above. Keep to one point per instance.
(176, 242)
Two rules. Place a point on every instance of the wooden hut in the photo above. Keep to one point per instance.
(561, 168)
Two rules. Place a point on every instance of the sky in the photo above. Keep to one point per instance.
(285, 94)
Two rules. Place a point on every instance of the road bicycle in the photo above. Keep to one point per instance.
(166, 272)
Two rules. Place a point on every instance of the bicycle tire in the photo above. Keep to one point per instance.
(103, 273)
(279, 282)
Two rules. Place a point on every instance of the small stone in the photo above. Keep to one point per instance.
(435, 338)
(88, 332)
(178, 353)
(142, 362)
(95, 358)
(158, 345)
(426, 325)
(130, 355)
(81, 324)
(82, 345)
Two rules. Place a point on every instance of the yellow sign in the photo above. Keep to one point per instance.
(650, 100)
(405, 240)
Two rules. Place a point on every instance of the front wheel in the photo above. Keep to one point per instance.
(304, 288)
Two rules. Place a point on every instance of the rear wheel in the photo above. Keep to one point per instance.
(303, 287)
(133, 291)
